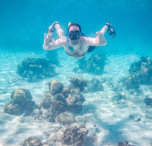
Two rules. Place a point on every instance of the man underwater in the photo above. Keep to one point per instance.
(76, 45)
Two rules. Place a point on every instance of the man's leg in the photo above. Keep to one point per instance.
(104, 30)
(56, 26)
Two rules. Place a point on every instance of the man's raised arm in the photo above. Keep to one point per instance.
(99, 40)
(49, 43)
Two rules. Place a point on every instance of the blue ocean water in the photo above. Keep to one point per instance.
(23, 23)
(22, 28)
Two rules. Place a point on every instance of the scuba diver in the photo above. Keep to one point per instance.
(76, 45)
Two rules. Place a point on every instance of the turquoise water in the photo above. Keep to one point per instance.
(23, 23)
(22, 28)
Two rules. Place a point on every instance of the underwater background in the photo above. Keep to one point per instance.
(119, 110)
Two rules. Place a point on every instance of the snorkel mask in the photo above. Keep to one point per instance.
(75, 34)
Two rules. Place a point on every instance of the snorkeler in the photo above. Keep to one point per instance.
(76, 45)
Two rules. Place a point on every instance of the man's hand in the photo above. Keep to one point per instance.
(48, 39)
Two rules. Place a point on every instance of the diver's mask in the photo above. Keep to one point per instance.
(74, 35)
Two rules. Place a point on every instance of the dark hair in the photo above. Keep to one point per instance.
(74, 24)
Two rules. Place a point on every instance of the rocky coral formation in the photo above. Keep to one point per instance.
(143, 70)
(124, 144)
(59, 99)
(148, 101)
(140, 73)
(131, 82)
(65, 118)
(13, 109)
(94, 85)
(73, 135)
(120, 99)
(119, 96)
(32, 141)
(55, 87)
(74, 101)
(147, 112)
(21, 103)
(77, 82)
(93, 64)
(21, 96)
(85, 85)
(34, 69)
(93, 137)
(136, 117)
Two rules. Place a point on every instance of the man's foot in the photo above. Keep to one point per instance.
(111, 30)
(52, 27)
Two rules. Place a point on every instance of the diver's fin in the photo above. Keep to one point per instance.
(111, 30)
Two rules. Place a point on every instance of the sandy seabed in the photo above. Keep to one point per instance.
(112, 119)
